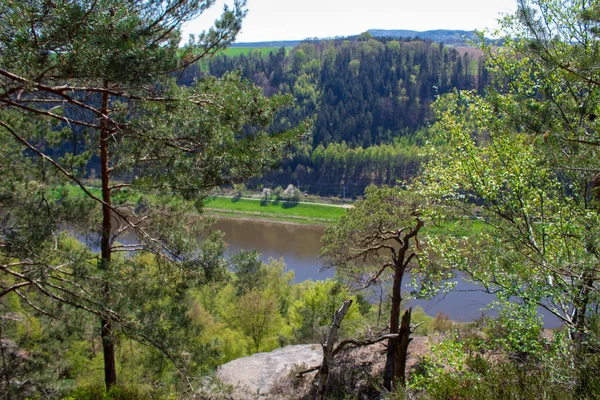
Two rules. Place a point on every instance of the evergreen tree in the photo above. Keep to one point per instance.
(375, 241)
(82, 81)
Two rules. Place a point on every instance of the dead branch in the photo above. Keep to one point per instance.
(322, 377)
(361, 343)
(356, 342)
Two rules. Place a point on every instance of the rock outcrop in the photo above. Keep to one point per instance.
(254, 376)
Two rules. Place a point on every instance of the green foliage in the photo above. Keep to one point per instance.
(355, 84)
(377, 241)
(385, 163)
(454, 369)
(517, 329)
(208, 324)
(279, 283)
(524, 153)
(230, 342)
(249, 271)
(86, 79)
(115, 393)
(418, 317)
(313, 312)
(256, 314)
(458, 367)
(360, 244)
(521, 158)
(366, 101)
(247, 315)
(448, 359)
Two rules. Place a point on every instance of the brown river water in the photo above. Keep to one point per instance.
(299, 246)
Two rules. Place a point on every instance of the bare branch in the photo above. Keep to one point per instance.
(346, 342)
(14, 287)
(49, 114)
(361, 343)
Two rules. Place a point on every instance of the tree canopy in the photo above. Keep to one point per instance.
(522, 159)
(94, 83)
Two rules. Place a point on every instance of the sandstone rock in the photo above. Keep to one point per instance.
(254, 376)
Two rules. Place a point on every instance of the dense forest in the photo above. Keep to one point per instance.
(366, 100)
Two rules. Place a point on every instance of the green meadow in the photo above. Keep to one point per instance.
(276, 210)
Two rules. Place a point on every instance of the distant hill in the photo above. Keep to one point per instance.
(449, 37)
(276, 43)
(366, 99)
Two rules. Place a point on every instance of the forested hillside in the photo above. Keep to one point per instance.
(447, 36)
(366, 100)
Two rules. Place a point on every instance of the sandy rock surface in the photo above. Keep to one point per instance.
(255, 374)
(266, 375)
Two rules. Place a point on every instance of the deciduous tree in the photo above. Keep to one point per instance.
(526, 155)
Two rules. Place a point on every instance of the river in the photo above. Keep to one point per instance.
(299, 246)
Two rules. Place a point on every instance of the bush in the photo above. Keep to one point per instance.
(239, 189)
(115, 393)
(483, 380)
(313, 312)
(441, 323)
(277, 193)
(418, 317)
(291, 196)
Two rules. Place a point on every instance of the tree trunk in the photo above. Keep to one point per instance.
(390, 370)
(402, 349)
(5, 367)
(332, 335)
(397, 348)
(108, 344)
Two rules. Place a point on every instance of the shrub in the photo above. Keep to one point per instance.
(115, 393)
(441, 322)
(422, 320)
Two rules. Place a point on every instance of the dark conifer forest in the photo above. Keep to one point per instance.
(366, 100)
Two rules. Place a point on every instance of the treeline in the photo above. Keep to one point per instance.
(341, 170)
(362, 92)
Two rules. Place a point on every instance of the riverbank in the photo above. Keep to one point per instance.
(314, 212)
(304, 213)
(251, 208)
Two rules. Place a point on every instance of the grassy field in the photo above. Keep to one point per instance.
(300, 213)
(303, 213)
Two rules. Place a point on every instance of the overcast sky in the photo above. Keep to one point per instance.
(298, 19)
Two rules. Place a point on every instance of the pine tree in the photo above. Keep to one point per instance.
(92, 84)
